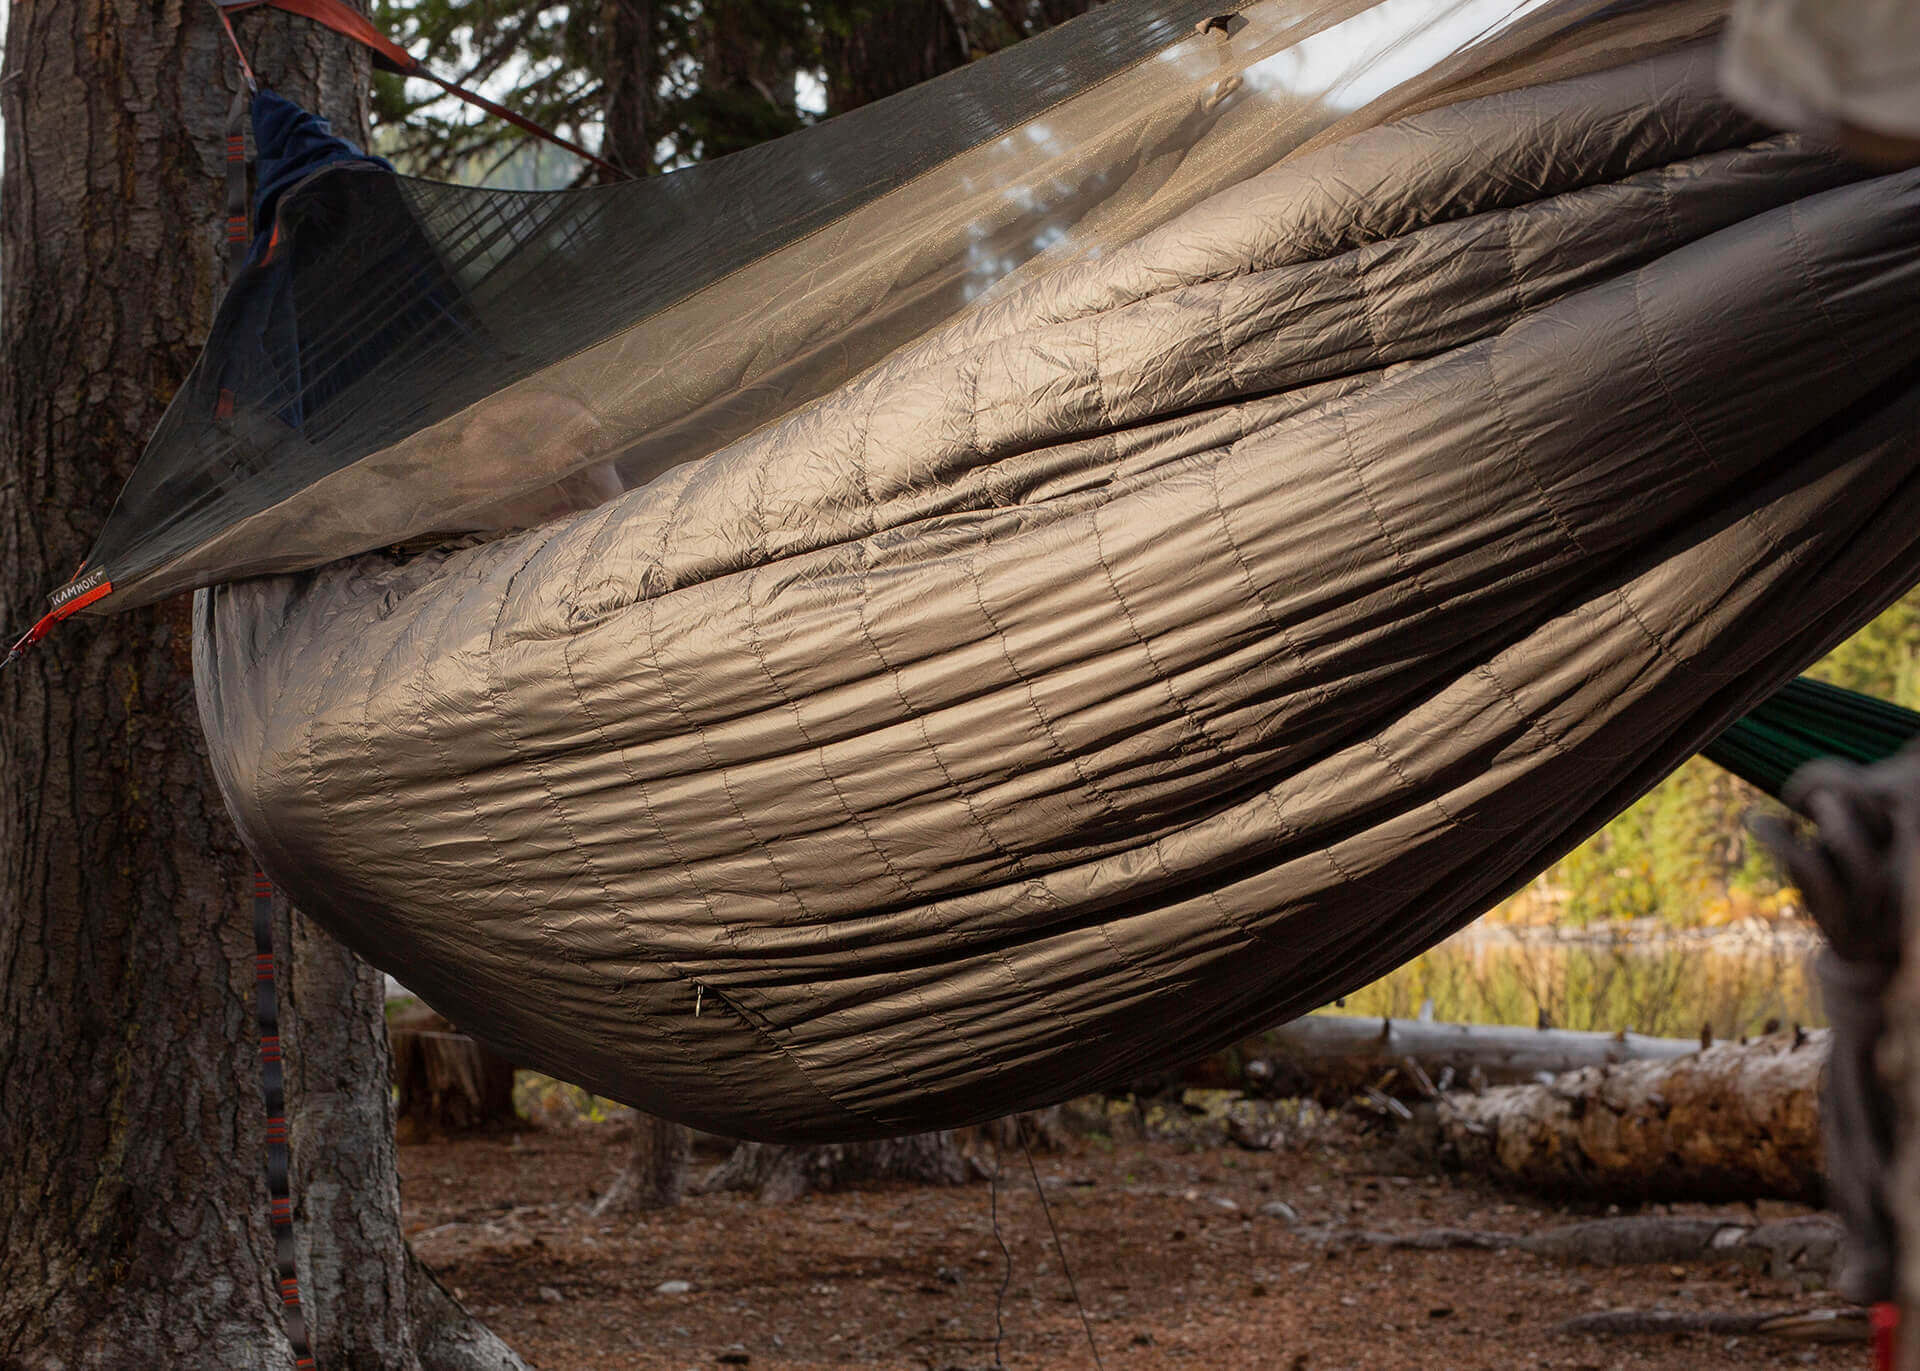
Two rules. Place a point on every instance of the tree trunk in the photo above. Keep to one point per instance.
(1732, 1122)
(1898, 1191)
(626, 41)
(870, 49)
(779, 1174)
(889, 49)
(373, 1304)
(655, 1175)
(447, 1083)
(133, 1219)
(748, 56)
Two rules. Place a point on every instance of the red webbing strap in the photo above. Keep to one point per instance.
(62, 609)
(389, 55)
(343, 20)
(274, 1091)
(519, 121)
(246, 67)
(1886, 1330)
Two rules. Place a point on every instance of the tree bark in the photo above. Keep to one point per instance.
(1732, 1122)
(373, 1304)
(133, 1221)
(132, 1209)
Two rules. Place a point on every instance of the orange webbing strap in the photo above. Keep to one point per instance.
(246, 67)
(519, 121)
(343, 20)
(390, 56)
(69, 600)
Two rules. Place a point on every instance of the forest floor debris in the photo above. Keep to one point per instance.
(1185, 1256)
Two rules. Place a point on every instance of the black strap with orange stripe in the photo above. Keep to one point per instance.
(273, 1089)
(239, 209)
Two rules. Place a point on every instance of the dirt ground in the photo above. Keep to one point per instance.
(1174, 1259)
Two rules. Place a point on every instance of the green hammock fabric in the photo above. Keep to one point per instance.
(1805, 721)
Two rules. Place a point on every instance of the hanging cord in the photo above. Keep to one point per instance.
(1059, 1248)
(273, 1090)
(519, 121)
(1006, 1256)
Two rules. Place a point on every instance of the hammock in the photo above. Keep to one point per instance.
(1232, 596)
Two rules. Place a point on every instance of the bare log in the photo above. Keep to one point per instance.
(1332, 1057)
(1731, 1122)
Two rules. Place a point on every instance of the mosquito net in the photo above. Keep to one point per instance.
(450, 359)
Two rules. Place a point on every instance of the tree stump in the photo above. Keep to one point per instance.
(779, 1174)
(448, 1084)
(655, 1176)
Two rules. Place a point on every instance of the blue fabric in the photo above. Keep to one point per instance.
(291, 144)
(263, 362)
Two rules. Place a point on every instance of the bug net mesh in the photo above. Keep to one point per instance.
(1215, 563)
(449, 360)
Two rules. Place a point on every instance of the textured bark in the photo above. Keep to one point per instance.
(372, 1305)
(344, 1187)
(779, 1174)
(447, 1083)
(655, 1175)
(132, 1209)
(1332, 1057)
(132, 1202)
(1733, 1122)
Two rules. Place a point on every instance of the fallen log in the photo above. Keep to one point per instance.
(1800, 1325)
(1804, 1245)
(1332, 1057)
(1731, 1122)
